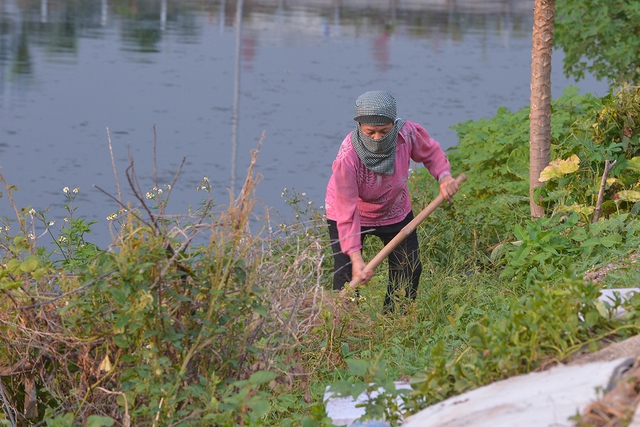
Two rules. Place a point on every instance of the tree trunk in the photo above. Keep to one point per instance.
(540, 114)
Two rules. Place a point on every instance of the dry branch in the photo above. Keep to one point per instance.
(603, 184)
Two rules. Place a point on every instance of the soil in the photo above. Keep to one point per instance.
(618, 406)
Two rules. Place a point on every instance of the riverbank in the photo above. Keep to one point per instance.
(194, 319)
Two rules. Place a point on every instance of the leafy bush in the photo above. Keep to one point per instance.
(183, 321)
(599, 37)
(547, 325)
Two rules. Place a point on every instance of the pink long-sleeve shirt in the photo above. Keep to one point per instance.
(357, 196)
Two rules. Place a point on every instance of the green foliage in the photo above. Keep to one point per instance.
(494, 154)
(383, 400)
(70, 247)
(599, 37)
(546, 325)
(543, 310)
(608, 131)
(483, 150)
(67, 420)
(178, 330)
(541, 244)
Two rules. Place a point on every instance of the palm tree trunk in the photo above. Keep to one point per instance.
(540, 114)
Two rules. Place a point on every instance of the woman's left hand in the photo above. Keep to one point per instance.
(448, 187)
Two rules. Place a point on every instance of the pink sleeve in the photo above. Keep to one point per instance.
(346, 201)
(427, 151)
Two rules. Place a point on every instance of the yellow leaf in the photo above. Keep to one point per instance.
(580, 209)
(451, 319)
(559, 168)
(602, 309)
(628, 195)
(634, 164)
(105, 365)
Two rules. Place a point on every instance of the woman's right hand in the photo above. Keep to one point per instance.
(448, 187)
(358, 268)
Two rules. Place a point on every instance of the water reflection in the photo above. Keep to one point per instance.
(236, 97)
(62, 23)
(104, 12)
(143, 24)
(43, 11)
(211, 76)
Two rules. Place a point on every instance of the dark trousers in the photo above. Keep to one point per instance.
(405, 267)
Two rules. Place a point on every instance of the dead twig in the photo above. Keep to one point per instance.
(617, 406)
(23, 226)
(63, 295)
(132, 179)
(155, 162)
(603, 183)
(7, 406)
(122, 205)
(113, 164)
(127, 419)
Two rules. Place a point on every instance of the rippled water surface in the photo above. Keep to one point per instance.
(73, 74)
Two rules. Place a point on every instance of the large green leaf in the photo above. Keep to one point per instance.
(611, 240)
(30, 263)
(261, 377)
(99, 421)
(260, 406)
(607, 241)
(518, 162)
(358, 367)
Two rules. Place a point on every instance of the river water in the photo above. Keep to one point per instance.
(206, 86)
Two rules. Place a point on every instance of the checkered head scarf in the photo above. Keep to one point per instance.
(377, 108)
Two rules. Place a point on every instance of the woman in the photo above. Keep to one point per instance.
(368, 193)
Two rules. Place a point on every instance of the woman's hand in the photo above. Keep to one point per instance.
(448, 187)
(357, 267)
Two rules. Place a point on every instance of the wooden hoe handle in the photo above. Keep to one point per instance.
(404, 233)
